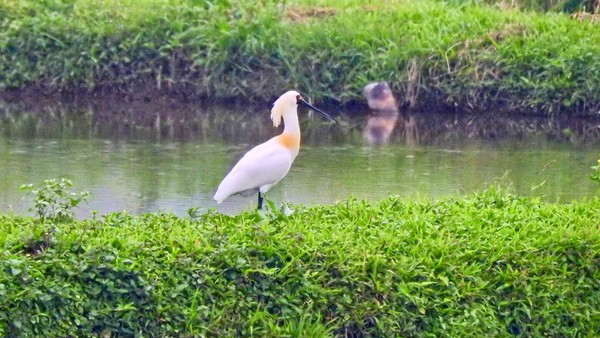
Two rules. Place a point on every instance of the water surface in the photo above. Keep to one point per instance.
(173, 176)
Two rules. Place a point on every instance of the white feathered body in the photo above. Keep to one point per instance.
(261, 168)
(266, 164)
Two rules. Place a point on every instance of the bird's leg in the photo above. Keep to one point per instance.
(260, 201)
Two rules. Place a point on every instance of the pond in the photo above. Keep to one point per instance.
(138, 170)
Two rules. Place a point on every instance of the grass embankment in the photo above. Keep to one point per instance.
(435, 53)
(488, 264)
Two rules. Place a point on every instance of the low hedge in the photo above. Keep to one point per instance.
(487, 264)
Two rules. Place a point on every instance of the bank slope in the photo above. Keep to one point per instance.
(435, 54)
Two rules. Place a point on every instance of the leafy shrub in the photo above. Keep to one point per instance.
(489, 264)
(54, 201)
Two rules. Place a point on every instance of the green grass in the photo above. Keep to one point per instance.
(487, 264)
(450, 53)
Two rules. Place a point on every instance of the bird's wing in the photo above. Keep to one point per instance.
(264, 164)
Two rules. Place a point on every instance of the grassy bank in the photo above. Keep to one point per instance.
(488, 264)
(442, 54)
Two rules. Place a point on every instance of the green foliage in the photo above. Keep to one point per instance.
(54, 201)
(462, 54)
(489, 264)
(595, 175)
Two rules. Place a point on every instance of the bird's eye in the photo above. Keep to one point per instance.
(298, 99)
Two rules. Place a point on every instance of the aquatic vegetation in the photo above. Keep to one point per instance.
(456, 54)
(487, 264)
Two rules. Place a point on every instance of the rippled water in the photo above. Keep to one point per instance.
(146, 153)
(147, 176)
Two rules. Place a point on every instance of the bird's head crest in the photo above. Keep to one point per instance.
(285, 101)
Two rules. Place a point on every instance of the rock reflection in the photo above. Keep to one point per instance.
(383, 114)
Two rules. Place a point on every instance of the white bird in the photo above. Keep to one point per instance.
(267, 163)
